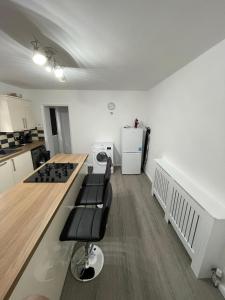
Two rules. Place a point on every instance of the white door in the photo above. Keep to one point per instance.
(6, 175)
(23, 166)
(132, 139)
(63, 126)
(131, 163)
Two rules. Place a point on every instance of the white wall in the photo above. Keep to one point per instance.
(187, 115)
(90, 121)
(7, 88)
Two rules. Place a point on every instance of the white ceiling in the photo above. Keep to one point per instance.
(116, 45)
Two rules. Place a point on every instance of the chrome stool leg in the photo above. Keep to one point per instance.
(87, 262)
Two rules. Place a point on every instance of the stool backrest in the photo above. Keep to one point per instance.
(106, 207)
(108, 169)
(107, 198)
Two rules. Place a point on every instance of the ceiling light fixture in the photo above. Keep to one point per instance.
(39, 56)
(46, 56)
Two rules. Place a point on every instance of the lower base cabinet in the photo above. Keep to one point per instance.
(22, 166)
(6, 175)
(15, 170)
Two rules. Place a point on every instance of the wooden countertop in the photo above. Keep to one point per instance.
(25, 148)
(26, 210)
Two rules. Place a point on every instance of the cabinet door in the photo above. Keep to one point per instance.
(23, 166)
(131, 163)
(11, 118)
(29, 117)
(17, 114)
(6, 175)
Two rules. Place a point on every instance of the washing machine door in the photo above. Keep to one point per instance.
(101, 157)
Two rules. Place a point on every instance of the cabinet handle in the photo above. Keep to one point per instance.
(26, 122)
(14, 167)
(2, 164)
(23, 123)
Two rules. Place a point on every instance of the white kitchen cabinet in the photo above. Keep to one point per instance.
(29, 117)
(22, 166)
(15, 114)
(15, 170)
(6, 175)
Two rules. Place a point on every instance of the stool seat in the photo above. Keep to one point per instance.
(99, 179)
(84, 225)
(90, 195)
(94, 179)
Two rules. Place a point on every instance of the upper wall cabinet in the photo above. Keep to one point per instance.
(15, 114)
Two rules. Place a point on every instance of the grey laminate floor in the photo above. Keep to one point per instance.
(143, 257)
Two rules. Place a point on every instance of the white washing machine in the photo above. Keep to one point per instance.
(100, 152)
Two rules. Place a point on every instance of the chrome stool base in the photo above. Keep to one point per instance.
(87, 262)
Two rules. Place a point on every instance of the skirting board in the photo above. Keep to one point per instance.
(148, 175)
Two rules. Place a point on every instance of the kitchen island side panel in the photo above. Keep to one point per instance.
(46, 271)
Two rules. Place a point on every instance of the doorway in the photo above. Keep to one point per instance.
(57, 129)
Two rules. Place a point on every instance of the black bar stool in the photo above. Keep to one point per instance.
(88, 225)
(99, 179)
(91, 194)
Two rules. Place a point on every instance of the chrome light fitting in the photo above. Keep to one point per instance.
(50, 52)
(48, 66)
(39, 56)
(46, 57)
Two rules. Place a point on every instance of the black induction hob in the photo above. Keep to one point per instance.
(52, 173)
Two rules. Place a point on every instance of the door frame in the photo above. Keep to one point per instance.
(45, 127)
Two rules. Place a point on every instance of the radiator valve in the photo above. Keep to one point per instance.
(216, 276)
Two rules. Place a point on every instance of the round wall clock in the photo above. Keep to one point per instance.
(111, 106)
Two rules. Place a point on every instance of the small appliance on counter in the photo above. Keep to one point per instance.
(131, 142)
(25, 138)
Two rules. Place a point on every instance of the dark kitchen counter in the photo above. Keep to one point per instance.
(25, 148)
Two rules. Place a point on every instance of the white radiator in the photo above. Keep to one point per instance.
(161, 186)
(198, 220)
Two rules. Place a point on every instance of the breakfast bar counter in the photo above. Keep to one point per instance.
(31, 217)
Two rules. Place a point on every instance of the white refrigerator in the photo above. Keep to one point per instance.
(131, 146)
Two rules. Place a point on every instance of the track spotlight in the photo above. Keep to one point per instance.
(58, 72)
(39, 56)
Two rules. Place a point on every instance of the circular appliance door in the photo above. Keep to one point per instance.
(101, 157)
